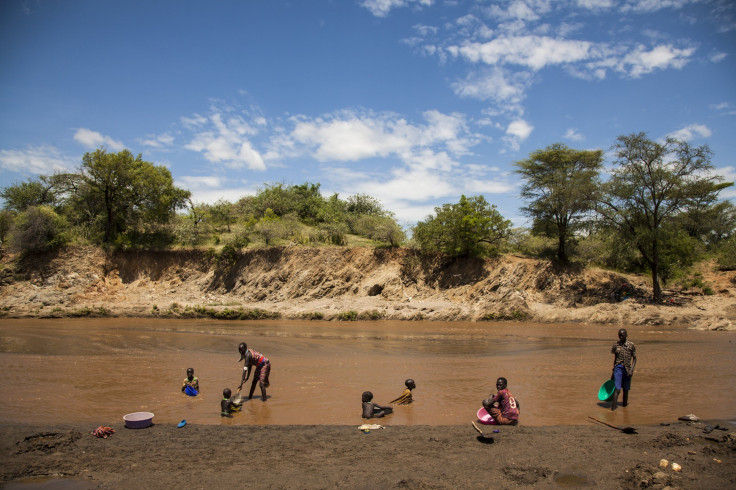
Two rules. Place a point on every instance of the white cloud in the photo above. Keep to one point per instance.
(691, 132)
(381, 8)
(516, 132)
(498, 84)
(535, 52)
(195, 121)
(720, 106)
(425, 30)
(524, 10)
(574, 135)
(158, 141)
(230, 194)
(729, 174)
(224, 139)
(723, 108)
(645, 6)
(200, 182)
(490, 186)
(210, 188)
(93, 140)
(42, 160)
(595, 4)
(717, 57)
(410, 184)
(410, 192)
(642, 61)
(350, 136)
(519, 129)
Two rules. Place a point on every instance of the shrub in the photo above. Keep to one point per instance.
(371, 315)
(39, 229)
(314, 315)
(347, 316)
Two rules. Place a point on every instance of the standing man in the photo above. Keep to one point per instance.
(624, 362)
(262, 367)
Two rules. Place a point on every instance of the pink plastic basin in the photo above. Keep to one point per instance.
(485, 418)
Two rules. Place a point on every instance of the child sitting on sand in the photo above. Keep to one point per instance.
(405, 397)
(228, 404)
(507, 411)
(191, 381)
(373, 410)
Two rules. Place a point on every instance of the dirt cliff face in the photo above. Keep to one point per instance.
(345, 284)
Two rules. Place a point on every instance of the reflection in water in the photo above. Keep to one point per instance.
(96, 371)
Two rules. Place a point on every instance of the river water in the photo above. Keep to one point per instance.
(97, 370)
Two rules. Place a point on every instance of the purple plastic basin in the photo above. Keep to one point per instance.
(138, 420)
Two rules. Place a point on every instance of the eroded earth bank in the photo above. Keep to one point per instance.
(356, 283)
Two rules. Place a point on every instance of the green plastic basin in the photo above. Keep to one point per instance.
(606, 392)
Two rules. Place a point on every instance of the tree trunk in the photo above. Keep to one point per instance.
(108, 227)
(561, 253)
(656, 288)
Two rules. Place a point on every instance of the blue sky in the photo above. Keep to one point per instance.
(414, 102)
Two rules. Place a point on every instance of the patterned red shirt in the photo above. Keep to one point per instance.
(507, 404)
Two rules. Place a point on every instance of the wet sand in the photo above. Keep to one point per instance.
(205, 456)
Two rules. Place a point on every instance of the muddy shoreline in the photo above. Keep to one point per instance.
(200, 456)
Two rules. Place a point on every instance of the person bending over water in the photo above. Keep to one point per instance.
(507, 411)
(373, 410)
(262, 366)
(624, 362)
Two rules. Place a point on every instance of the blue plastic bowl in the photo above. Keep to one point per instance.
(605, 394)
(190, 391)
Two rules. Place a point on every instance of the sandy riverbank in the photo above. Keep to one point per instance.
(348, 284)
(201, 456)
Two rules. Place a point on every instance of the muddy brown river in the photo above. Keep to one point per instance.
(97, 370)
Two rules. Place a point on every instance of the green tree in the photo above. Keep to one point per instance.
(222, 213)
(270, 227)
(20, 197)
(709, 222)
(561, 187)
(38, 229)
(650, 184)
(364, 204)
(7, 218)
(333, 210)
(380, 228)
(470, 227)
(274, 197)
(308, 201)
(127, 191)
(726, 253)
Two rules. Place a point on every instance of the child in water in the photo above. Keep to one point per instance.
(227, 405)
(405, 397)
(191, 381)
(373, 410)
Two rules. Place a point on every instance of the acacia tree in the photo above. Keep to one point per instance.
(561, 187)
(19, 197)
(470, 227)
(127, 191)
(650, 184)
